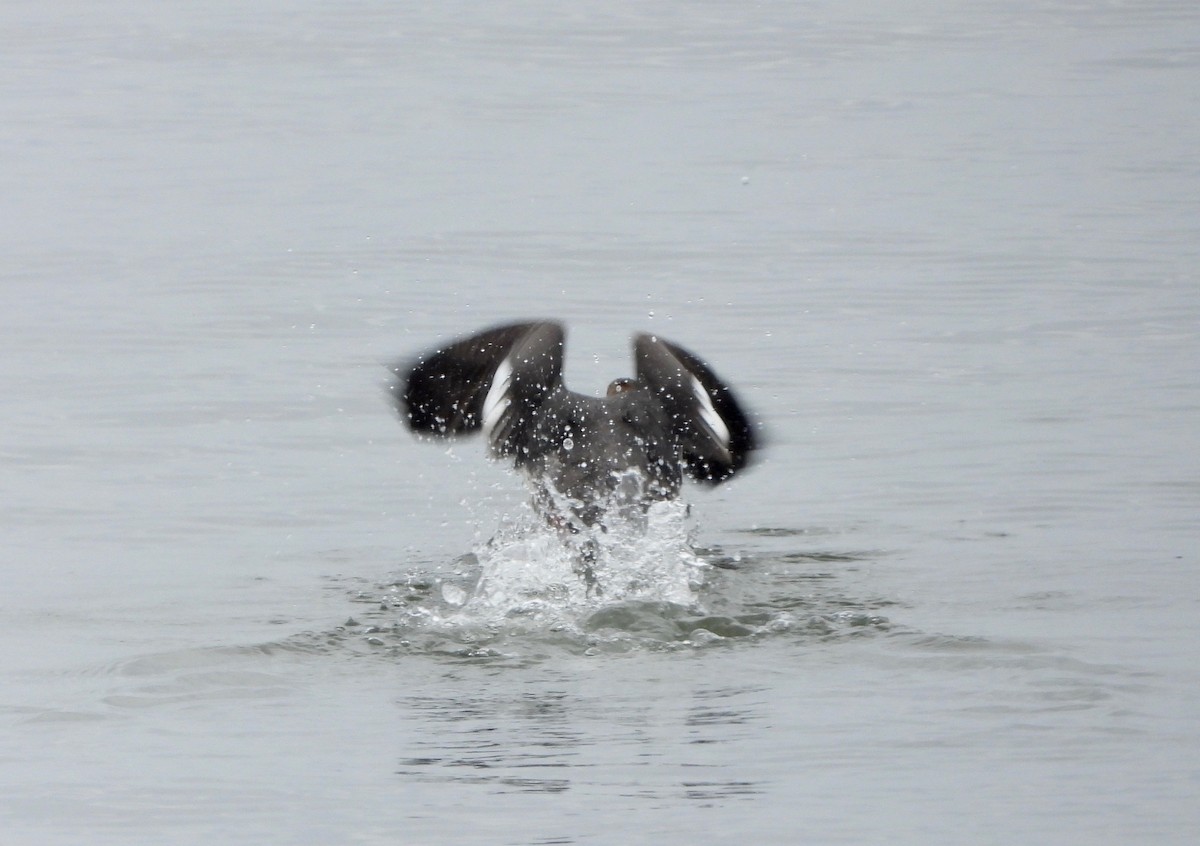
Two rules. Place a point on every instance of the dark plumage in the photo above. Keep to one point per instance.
(675, 419)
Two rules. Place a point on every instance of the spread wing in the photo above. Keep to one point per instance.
(492, 381)
(714, 433)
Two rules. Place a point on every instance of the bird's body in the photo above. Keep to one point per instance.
(585, 455)
(598, 454)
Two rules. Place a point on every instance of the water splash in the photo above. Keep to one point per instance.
(537, 589)
(532, 565)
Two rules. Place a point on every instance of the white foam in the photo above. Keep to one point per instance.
(530, 567)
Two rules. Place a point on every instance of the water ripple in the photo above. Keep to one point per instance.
(520, 598)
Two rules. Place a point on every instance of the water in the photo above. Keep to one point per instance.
(948, 253)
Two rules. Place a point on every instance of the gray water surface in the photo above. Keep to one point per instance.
(946, 252)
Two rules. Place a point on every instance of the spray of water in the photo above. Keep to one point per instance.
(612, 574)
(532, 565)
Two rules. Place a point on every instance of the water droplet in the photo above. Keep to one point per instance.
(453, 594)
(568, 443)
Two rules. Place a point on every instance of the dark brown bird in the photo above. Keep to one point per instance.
(635, 445)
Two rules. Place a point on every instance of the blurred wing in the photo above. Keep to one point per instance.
(714, 433)
(493, 381)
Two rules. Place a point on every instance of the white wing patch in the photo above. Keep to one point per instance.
(708, 414)
(498, 399)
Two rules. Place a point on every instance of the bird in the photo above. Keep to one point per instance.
(586, 457)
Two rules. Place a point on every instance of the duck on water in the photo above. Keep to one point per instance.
(587, 458)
